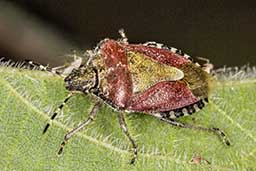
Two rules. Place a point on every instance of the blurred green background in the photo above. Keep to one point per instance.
(223, 31)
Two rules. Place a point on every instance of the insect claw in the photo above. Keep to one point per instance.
(133, 161)
(46, 128)
(61, 147)
(222, 135)
(60, 151)
(134, 157)
(227, 142)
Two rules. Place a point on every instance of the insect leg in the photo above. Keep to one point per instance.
(217, 131)
(124, 39)
(204, 63)
(90, 118)
(125, 130)
(58, 110)
(201, 61)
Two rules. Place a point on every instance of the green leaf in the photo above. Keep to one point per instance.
(29, 98)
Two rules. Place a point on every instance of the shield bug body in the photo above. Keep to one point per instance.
(149, 78)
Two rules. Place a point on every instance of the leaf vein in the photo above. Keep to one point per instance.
(247, 133)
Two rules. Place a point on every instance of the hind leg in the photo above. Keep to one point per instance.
(217, 131)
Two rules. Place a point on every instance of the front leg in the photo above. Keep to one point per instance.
(125, 130)
(90, 118)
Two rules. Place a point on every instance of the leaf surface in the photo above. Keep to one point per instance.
(29, 98)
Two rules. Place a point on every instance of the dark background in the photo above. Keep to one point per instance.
(223, 31)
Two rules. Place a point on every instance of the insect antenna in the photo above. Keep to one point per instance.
(41, 67)
(59, 70)
(57, 111)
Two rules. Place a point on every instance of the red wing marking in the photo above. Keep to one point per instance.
(119, 88)
(163, 96)
(161, 55)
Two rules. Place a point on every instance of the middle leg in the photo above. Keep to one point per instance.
(125, 130)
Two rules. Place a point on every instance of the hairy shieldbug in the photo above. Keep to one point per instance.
(149, 78)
